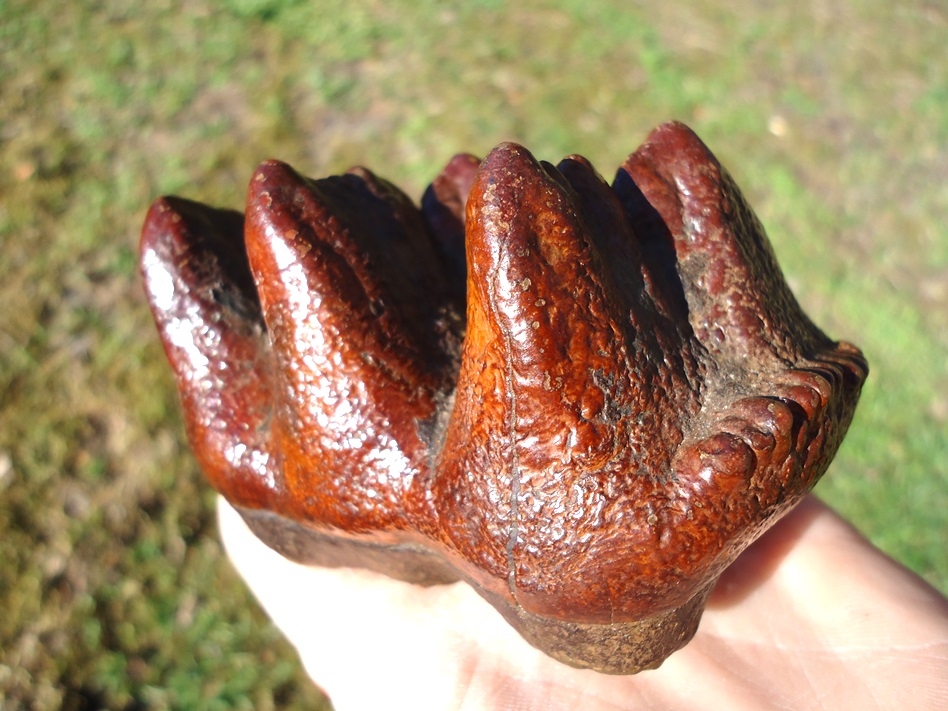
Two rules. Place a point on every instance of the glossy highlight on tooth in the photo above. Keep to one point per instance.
(583, 399)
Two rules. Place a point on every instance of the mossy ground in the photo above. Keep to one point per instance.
(113, 588)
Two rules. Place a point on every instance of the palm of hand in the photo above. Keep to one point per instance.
(811, 616)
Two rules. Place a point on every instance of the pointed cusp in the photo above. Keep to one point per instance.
(355, 305)
(740, 305)
(203, 300)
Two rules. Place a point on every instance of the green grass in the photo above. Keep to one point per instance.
(113, 587)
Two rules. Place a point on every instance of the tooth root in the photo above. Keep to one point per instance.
(349, 288)
(203, 300)
(740, 305)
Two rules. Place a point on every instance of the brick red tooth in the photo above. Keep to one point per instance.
(543, 317)
(443, 206)
(639, 395)
(203, 299)
(348, 287)
(739, 304)
(660, 351)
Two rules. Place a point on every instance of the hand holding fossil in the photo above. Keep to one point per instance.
(584, 400)
(810, 616)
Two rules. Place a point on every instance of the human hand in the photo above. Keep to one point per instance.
(810, 616)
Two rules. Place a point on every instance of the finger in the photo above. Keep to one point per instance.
(421, 647)
(814, 609)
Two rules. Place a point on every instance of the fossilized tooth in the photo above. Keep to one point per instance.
(627, 397)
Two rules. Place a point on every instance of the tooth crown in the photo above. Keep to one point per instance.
(584, 399)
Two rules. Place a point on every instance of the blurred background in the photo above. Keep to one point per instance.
(831, 115)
